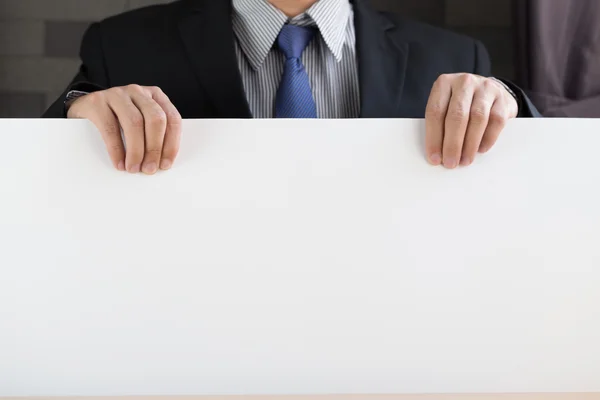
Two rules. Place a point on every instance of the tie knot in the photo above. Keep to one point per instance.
(293, 40)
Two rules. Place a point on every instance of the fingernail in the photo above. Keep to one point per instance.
(166, 164)
(121, 166)
(134, 169)
(465, 161)
(483, 150)
(436, 159)
(150, 168)
(450, 163)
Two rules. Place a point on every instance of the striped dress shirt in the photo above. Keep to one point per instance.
(330, 59)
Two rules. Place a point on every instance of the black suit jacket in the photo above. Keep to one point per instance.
(187, 49)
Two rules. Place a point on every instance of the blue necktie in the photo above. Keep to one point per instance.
(294, 97)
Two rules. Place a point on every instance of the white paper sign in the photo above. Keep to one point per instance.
(293, 257)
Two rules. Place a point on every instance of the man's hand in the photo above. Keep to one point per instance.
(466, 114)
(150, 122)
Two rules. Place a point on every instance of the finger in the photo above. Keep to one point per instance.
(94, 108)
(132, 121)
(479, 116)
(435, 115)
(155, 124)
(172, 139)
(497, 122)
(457, 121)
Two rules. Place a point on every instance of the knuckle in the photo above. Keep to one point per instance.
(157, 118)
(135, 154)
(115, 148)
(433, 148)
(170, 152)
(443, 80)
(452, 151)
(466, 79)
(153, 153)
(434, 111)
(490, 85)
(112, 127)
(136, 120)
(480, 113)
(498, 117)
(117, 91)
(174, 117)
(134, 88)
(95, 98)
(458, 113)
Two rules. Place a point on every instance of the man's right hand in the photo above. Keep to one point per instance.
(150, 122)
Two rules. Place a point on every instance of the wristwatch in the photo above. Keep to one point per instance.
(509, 90)
(74, 95)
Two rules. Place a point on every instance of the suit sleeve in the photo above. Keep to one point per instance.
(92, 75)
(483, 67)
(483, 64)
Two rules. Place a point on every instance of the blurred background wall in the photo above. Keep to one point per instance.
(39, 40)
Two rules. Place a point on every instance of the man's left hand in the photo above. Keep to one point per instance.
(465, 115)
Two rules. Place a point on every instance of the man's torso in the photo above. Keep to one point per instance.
(188, 49)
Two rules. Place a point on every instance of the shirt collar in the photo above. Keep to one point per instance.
(332, 18)
(257, 24)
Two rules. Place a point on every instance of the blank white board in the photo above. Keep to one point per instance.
(292, 257)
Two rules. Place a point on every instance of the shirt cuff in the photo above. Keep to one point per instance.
(509, 90)
(71, 97)
(74, 95)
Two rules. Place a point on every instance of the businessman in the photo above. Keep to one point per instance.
(144, 70)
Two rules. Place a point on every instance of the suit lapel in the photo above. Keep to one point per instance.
(206, 30)
(207, 33)
(382, 64)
